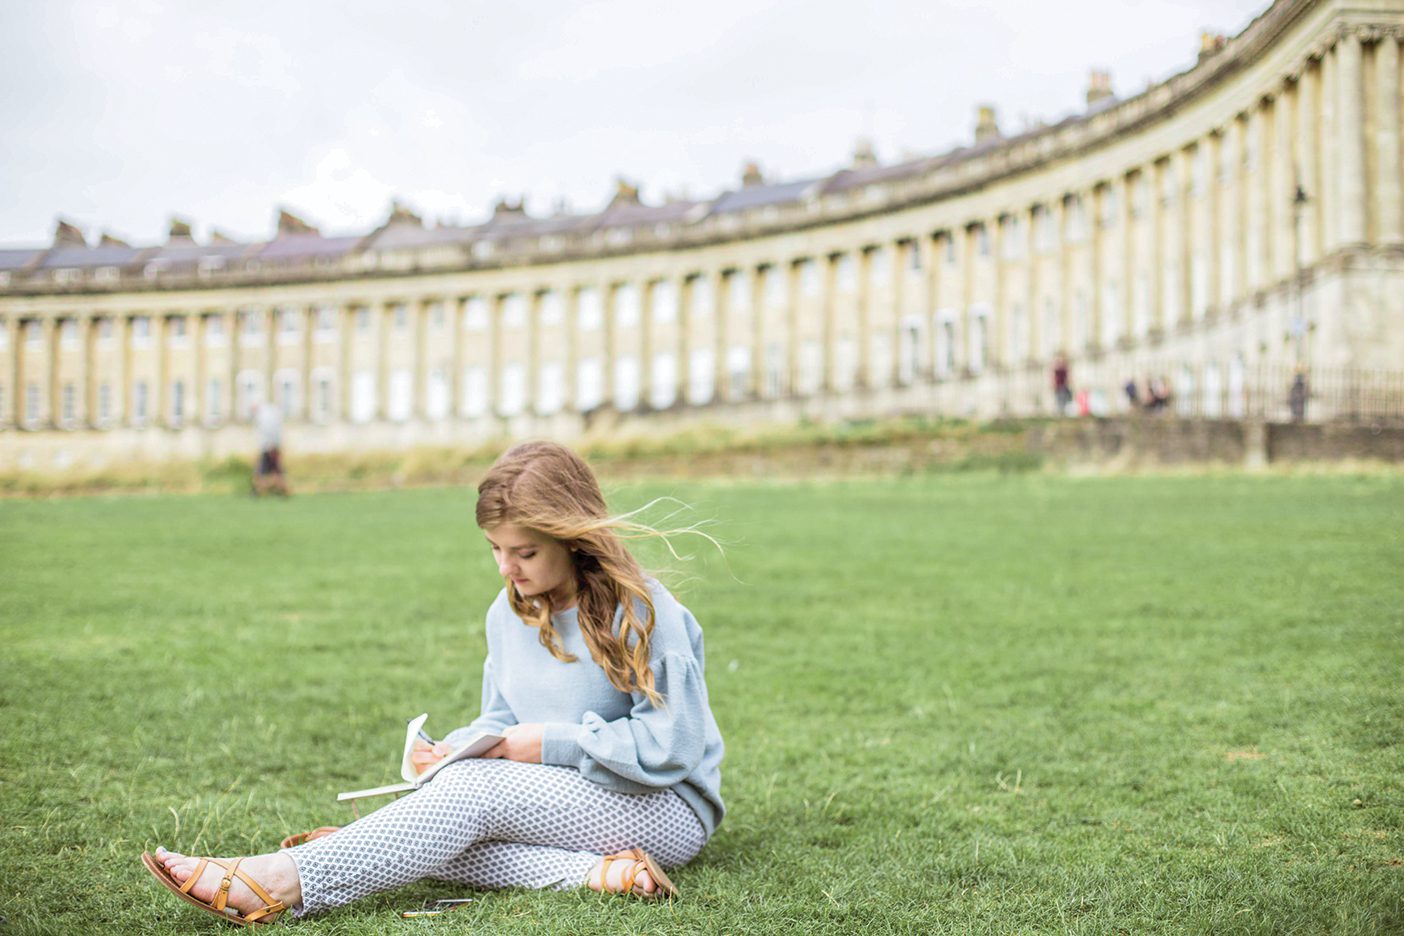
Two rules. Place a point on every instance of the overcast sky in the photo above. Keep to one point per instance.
(118, 115)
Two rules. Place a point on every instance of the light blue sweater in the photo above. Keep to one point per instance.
(617, 739)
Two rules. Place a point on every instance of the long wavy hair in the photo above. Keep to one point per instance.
(546, 487)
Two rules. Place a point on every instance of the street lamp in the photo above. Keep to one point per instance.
(1299, 203)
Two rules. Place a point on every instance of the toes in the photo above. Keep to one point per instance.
(644, 882)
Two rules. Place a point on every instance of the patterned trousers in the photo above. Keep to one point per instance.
(491, 824)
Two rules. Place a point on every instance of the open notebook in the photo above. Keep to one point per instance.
(476, 746)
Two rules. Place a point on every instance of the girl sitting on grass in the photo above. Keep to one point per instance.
(610, 767)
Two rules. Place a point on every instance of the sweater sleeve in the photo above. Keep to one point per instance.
(649, 749)
(494, 714)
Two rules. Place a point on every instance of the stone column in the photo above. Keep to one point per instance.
(792, 381)
(270, 333)
(1155, 248)
(898, 271)
(1127, 294)
(54, 378)
(1102, 265)
(1387, 142)
(419, 402)
(1213, 195)
(760, 365)
(1184, 235)
(609, 300)
(828, 338)
(1350, 135)
(570, 356)
(963, 323)
(1231, 216)
(159, 396)
(647, 335)
(1033, 330)
(932, 286)
(87, 338)
(383, 327)
(997, 332)
(721, 308)
(685, 285)
(1281, 185)
(1308, 142)
(311, 319)
(12, 408)
(864, 261)
(347, 315)
(495, 370)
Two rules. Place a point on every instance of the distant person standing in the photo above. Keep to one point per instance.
(1062, 391)
(268, 476)
(1297, 397)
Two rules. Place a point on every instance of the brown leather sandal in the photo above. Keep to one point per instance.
(639, 861)
(270, 911)
(302, 838)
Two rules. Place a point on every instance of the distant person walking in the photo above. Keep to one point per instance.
(1062, 391)
(1297, 397)
(268, 475)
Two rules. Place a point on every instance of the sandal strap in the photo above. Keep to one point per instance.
(627, 877)
(195, 876)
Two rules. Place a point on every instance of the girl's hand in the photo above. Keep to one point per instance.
(519, 743)
(423, 756)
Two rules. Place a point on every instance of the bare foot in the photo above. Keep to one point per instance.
(275, 873)
(611, 875)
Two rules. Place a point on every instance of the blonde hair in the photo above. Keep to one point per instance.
(548, 488)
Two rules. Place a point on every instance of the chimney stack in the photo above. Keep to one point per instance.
(986, 126)
(864, 156)
(179, 230)
(751, 175)
(67, 234)
(1098, 87)
(1210, 43)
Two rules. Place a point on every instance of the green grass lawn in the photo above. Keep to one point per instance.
(951, 704)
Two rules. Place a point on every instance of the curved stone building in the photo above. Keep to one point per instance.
(1244, 216)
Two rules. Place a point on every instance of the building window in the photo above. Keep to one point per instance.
(475, 314)
(289, 325)
(776, 289)
(401, 316)
(68, 333)
(436, 314)
(664, 391)
(363, 396)
(249, 394)
(104, 402)
(703, 297)
(626, 306)
(69, 403)
(879, 266)
(289, 389)
(589, 384)
(700, 376)
(175, 329)
(436, 394)
(31, 403)
(979, 340)
(738, 294)
(665, 302)
(251, 326)
(590, 314)
(846, 274)
(322, 397)
(475, 392)
(912, 250)
(363, 319)
(141, 331)
(626, 383)
(214, 330)
(401, 401)
(982, 240)
(950, 248)
(514, 312)
(214, 397)
(4, 335)
(33, 334)
(177, 402)
(810, 286)
(513, 389)
(140, 402)
(548, 391)
(326, 323)
(738, 371)
(552, 309)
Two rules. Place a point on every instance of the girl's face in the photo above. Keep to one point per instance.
(535, 563)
